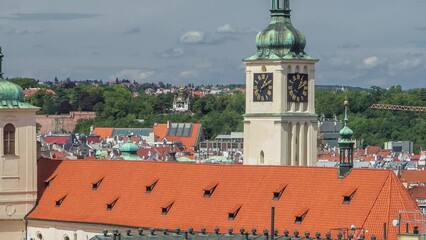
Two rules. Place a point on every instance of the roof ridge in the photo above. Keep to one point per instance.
(374, 203)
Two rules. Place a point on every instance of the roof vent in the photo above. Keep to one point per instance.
(300, 216)
(347, 196)
(208, 191)
(234, 212)
(166, 207)
(60, 201)
(279, 192)
(111, 204)
(151, 186)
(49, 181)
(96, 184)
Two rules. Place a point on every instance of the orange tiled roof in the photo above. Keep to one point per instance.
(412, 176)
(160, 130)
(417, 192)
(103, 132)
(378, 197)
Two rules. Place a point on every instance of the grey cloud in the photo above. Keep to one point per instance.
(172, 53)
(199, 38)
(349, 46)
(420, 28)
(24, 31)
(49, 16)
(133, 31)
(229, 29)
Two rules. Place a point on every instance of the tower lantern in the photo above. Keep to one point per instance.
(346, 147)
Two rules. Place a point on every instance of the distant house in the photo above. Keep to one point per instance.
(184, 135)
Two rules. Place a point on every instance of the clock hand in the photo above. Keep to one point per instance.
(301, 85)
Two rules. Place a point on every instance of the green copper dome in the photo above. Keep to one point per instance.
(129, 147)
(11, 91)
(280, 40)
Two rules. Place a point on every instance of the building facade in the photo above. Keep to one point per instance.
(280, 124)
(18, 165)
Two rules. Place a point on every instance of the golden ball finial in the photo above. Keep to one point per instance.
(346, 102)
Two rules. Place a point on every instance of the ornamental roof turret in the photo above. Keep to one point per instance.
(280, 40)
(11, 94)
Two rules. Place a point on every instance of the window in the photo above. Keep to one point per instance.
(262, 157)
(111, 205)
(66, 237)
(39, 236)
(60, 201)
(166, 207)
(279, 192)
(96, 184)
(49, 181)
(151, 186)
(9, 139)
(234, 212)
(347, 196)
(208, 191)
(299, 217)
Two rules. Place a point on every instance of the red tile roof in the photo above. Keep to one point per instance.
(370, 150)
(413, 176)
(418, 192)
(378, 197)
(61, 140)
(160, 130)
(104, 133)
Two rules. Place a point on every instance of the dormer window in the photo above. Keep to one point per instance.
(9, 139)
(111, 204)
(97, 184)
(348, 195)
(151, 186)
(60, 201)
(208, 191)
(279, 192)
(49, 181)
(166, 207)
(300, 216)
(232, 214)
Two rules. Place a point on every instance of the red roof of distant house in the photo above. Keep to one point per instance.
(417, 192)
(58, 155)
(370, 150)
(104, 133)
(31, 91)
(161, 129)
(377, 196)
(93, 139)
(61, 140)
(413, 176)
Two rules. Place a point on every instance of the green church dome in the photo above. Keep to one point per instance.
(346, 132)
(280, 40)
(129, 147)
(11, 91)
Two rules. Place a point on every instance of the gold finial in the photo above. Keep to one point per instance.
(346, 102)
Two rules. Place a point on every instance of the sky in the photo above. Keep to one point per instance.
(359, 43)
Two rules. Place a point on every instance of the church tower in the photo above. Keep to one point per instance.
(280, 124)
(18, 158)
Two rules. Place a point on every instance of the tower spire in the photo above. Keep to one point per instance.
(346, 146)
(1, 60)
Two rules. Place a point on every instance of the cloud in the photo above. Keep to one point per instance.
(134, 74)
(188, 74)
(404, 65)
(24, 31)
(227, 28)
(172, 53)
(371, 62)
(49, 16)
(192, 37)
(420, 28)
(349, 46)
(133, 31)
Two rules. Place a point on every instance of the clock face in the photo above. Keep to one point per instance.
(297, 87)
(262, 87)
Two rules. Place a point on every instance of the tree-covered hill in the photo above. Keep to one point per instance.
(127, 106)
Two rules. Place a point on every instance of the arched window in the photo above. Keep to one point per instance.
(262, 157)
(9, 139)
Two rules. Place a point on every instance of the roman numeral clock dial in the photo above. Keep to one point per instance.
(262, 87)
(297, 87)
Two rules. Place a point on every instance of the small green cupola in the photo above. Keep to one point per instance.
(346, 147)
(11, 94)
(129, 150)
(280, 40)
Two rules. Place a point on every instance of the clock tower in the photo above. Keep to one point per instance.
(280, 124)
